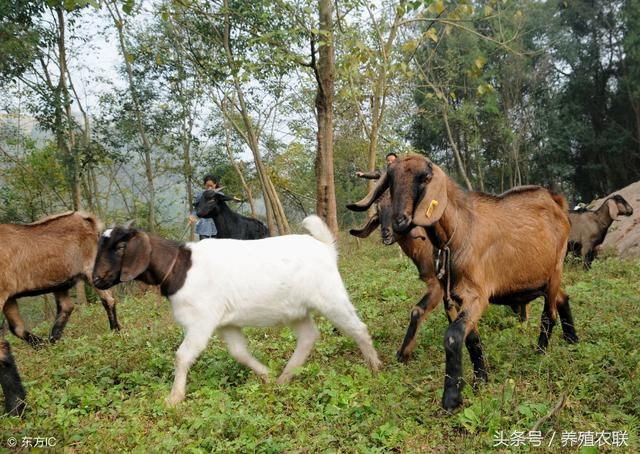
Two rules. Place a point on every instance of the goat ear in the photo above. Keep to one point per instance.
(434, 201)
(612, 205)
(137, 256)
(376, 192)
(364, 232)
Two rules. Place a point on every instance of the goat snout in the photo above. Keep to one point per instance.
(401, 223)
(101, 283)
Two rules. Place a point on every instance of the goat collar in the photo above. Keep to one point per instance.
(443, 267)
(173, 263)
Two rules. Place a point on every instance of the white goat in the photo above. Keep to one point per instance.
(224, 285)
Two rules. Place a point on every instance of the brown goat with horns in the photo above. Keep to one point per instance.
(419, 249)
(492, 249)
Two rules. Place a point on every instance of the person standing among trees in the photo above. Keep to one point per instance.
(205, 227)
(389, 158)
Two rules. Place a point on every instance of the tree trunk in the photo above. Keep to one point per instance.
(275, 210)
(68, 143)
(238, 169)
(325, 183)
(146, 144)
(456, 152)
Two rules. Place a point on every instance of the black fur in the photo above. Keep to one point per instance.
(14, 393)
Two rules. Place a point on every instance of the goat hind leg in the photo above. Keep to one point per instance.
(566, 318)
(17, 326)
(64, 307)
(238, 349)
(343, 315)
(307, 334)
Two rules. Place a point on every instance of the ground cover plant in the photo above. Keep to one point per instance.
(96, 391)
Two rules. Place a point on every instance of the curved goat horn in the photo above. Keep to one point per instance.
(365, 231)
(376, 192)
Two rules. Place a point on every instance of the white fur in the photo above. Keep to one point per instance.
(269, 282)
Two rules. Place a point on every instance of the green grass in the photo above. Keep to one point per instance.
(96, 391)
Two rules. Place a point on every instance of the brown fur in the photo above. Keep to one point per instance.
(513, 243)
(589, 228)
(419, 249)
(146, 257)
(49, 255)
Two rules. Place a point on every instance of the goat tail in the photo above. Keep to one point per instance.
(319, 230)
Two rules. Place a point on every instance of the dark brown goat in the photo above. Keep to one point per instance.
(47, 256)
(419, 249)
(589, 228)
(500, 248)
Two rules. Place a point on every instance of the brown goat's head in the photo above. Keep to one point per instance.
(123, 254)
(210, 203)
(382, 218)
(418, 193)
(618, 206)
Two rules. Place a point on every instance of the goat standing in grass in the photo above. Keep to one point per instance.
(225, 285)
(47, 256)
(589, 228)
(499, 247)
(212, 204)
(419, 249)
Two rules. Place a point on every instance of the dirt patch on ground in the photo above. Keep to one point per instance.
(623, 238)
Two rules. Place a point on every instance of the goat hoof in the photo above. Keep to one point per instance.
(283, 379)
(571, 338)
(374, 364)
(35, 341)
(17, 410)
(480, 380)
(174, 399)
(451, 402)
(403, 357)
(541, 350)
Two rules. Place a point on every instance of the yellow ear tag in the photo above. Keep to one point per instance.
(432, 206)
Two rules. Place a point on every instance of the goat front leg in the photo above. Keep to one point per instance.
(17, 326)
(14, 393)
(238, 349)
(109, 304)
(455, 335)
(64, 307)
(425, 306)
(307, 334)
(196, 339)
